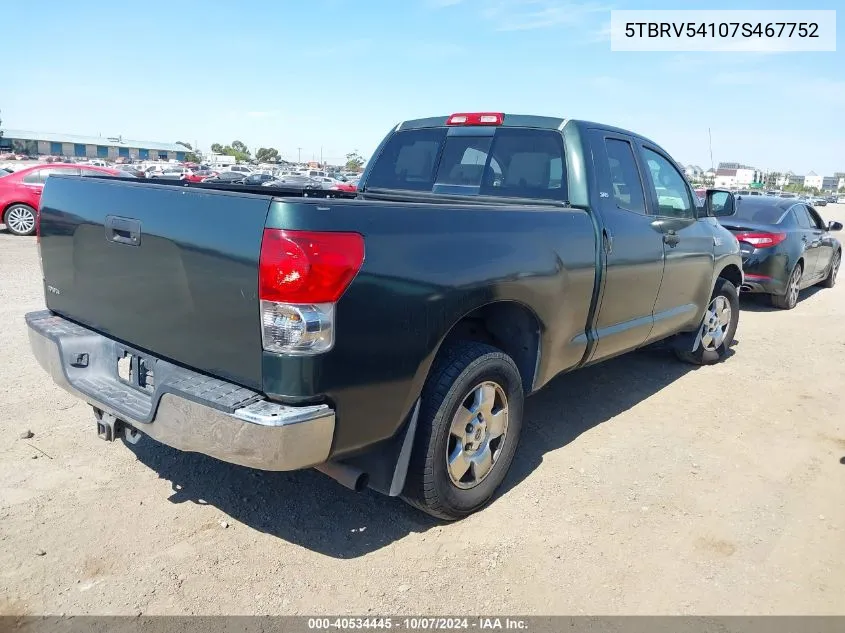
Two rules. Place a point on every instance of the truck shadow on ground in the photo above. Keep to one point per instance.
(762, 303)
(311, 510)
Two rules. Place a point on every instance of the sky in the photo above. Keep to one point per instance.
(327, 77)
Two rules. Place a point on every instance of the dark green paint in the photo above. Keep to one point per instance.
(188, 292)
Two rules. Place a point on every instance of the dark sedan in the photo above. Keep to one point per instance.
(257, 179)
(786, 247)
(227, 177)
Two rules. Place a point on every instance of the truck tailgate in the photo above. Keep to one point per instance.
(169, 270)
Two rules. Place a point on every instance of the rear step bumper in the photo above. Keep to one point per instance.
(179, 407)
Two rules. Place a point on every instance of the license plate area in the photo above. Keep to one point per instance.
(135, 370)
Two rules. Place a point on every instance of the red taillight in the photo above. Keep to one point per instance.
(476, 118)
(307, 267)
(761, 239)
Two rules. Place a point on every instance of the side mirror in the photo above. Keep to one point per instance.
(720, 203)
(834, 226)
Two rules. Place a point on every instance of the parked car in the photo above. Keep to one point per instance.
(169, 173)
(344, 186)
(200, 174)
(390, 339)
(20, 192)
(786, 247)
(830, 199)
(257, 179)
(133, 170)
(295, 180)
(840, 200)
(231, 177)
(818, 201)
(243, 169)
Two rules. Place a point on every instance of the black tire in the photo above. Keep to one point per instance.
(789, 299)
(690, 348)
(456, 372)
(830, 280)
(24, 219)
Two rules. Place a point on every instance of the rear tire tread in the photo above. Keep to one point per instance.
(420, 487)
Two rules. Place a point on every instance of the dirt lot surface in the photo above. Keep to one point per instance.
(641, 486)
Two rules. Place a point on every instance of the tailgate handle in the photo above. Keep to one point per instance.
(123, 230)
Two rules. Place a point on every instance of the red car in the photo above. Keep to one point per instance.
(344, 186)
(20, 192)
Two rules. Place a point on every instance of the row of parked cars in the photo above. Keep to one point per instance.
(20, 189)
(307, 179)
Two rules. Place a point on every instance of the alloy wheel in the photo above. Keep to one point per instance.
(477, 435)
(714, 328)
(794, 286)
(20, 219)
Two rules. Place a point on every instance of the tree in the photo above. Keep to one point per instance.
(266, 155)
(354, 161)
(191, 157)
(184, 144)
(236, 149)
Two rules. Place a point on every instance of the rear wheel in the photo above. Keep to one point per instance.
(789, 299)
(467, 432)
(711, 341)
(20, 219)
(830, 280)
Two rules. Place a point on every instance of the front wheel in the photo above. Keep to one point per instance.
(20, 219)
(467, 432)
(710, 343)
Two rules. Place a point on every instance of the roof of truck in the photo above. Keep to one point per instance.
(524, 120)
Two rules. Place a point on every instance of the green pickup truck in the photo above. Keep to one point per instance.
(387, 337)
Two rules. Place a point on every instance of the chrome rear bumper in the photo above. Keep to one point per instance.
(186, 410)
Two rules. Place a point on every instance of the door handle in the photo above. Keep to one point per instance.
(123, 230)
(671, 238)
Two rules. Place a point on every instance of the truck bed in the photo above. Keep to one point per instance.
(187, 291)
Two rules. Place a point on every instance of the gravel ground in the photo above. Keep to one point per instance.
(641, 486)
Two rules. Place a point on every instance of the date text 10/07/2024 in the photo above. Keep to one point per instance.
(417, 624)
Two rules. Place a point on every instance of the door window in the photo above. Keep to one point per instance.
(803, 216)
(625, 184)
(816, 219)
(668, 186)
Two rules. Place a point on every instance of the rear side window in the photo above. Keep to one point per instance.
(40, 176)
(625, 184)
(36, 177)
(514, 162)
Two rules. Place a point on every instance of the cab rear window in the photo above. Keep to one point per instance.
(513, 162)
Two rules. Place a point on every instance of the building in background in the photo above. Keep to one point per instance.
(812, 179)
(694, 172)
(734, 175)
(790, 179)
(72, 146)
(830, 183)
